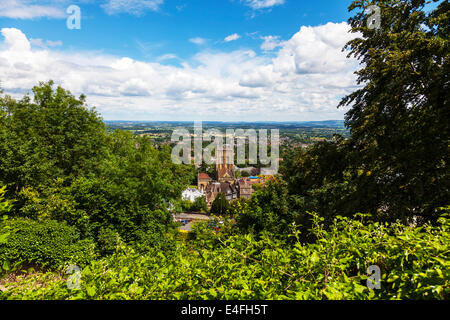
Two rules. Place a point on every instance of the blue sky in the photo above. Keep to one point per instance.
(146, 34)
(228, 60)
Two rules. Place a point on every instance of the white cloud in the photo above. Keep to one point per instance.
(303, 81)
(30, 9)
(168, 56)
(270, 43)
(197, 40)
(135, 7)
(315, 50)
(232, 37)
(262, 4)
(15, 40)
(45, 44)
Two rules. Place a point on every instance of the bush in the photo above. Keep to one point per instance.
(186, 205)
(47, 244)
(108, 241)
(414, 264)
(5, 205)
(200, 205)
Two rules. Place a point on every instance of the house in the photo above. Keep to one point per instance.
(268, 172)
(229, 190)
(191, 194)
(252, 171)
(203, 181)
(245, 188)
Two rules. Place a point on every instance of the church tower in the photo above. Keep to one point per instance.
(225, 165)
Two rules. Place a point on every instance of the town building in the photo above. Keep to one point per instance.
(225, 168)
(245, 188)
(191, 194)
(203, 181)
(224, 181)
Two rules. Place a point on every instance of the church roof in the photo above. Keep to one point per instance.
(225, 172)
(204, 176)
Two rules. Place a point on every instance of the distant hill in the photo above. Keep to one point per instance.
(243, 124)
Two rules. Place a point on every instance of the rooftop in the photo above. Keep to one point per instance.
(203, 176)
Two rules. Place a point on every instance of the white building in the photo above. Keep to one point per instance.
(191, 194)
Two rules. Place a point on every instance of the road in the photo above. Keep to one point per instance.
(191, 218)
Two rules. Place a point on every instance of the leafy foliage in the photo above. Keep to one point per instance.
(220, 205)
(268, 210)
(413, 261)
(59, 162)
(47, 244)
(55, 136)
(5, 205)
(396, 120)
(200, 205)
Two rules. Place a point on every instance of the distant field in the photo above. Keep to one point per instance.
(290, 132)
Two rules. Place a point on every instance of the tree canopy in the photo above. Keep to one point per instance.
(397, 119)
(54, 135)
(395, 162)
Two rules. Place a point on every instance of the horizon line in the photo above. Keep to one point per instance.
(231, 121)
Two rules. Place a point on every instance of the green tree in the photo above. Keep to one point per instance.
(132, 193)
(220, 205)
(397, 119)
(53, 136)
(325, 178)
(200, 205)
(268, 210)
(62, 165)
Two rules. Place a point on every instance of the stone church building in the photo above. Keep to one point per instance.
(224, 180)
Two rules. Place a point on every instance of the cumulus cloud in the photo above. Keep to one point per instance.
(15, 40)
(315, 50)
(303, 80)
(135, 7)
(232, 37)
(262, 4)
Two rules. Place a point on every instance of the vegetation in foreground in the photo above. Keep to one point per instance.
(414, 264)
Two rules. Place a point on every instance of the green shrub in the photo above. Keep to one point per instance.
(108, 241)
(186, 205)
(46, 244)
(200, 205)
(414, 264)
(5, 205)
